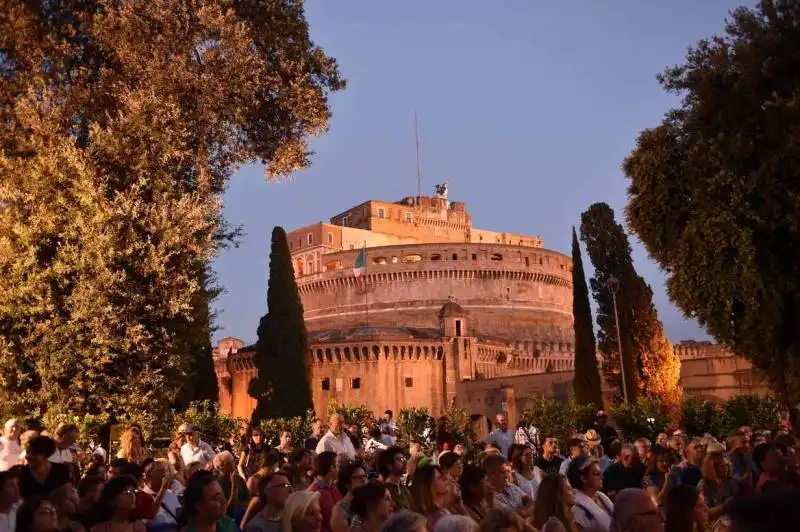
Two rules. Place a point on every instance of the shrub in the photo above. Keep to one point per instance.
(642, 419)
(88, 425)
(299, 427)
(413, 423)
(761, 412)
(215, 426)
(701, 417)
(558, 419)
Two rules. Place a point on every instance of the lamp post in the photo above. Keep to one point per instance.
(613, 287)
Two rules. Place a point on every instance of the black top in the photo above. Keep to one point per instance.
(29, 486)
(691, 475)
(311, 444)
(617, 477)
(549, 467)
(607, 435)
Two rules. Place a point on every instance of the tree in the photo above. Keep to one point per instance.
(714, 195)
(282, 386)
(120, 124)
(586, 381)
(651, 366)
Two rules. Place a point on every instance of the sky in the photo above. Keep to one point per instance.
(527, 108)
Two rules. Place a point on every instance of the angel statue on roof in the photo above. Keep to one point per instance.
(441, 190)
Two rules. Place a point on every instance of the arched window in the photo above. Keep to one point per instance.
(436, 256)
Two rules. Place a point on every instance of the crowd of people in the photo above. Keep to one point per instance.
(343, 480)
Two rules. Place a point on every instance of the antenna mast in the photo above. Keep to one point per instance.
(419, 176)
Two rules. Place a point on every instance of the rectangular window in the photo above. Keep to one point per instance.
(339, 385)
(356, 383)
(326, 384)
(381, 213)
(330, 239)
(474, 256)
(310, 238)
(409, 382)
(527, 261)
(458, 327)
(409, 218)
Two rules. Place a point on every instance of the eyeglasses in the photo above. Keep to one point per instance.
(286, 485)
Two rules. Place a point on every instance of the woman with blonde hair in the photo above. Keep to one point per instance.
(302, 512)
(175, 458)
(131, 445)
(554, 498)
(717, 487)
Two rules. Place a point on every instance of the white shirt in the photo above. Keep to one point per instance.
(512, 497)
(8, 522)
(338, 445)
(170, 506)
(202, 455)
(63, 456)
(9, 453)
(503, 439)
(529, 487)
(373, 446)
(589, 513)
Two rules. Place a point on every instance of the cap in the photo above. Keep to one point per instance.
(186, 428)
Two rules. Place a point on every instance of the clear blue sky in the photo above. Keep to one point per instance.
(526, 107)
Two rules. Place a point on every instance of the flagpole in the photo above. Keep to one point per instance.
(366, 299)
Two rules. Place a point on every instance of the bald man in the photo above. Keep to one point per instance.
(335, 440)
(635, 511)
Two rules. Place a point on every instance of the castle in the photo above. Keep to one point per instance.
(408, 305)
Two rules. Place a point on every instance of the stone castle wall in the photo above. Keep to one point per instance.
(710, 371)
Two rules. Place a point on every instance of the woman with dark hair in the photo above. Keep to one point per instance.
(593, 509)
(116, 506)
(37, 515)
(41, 477)
(268, 463)
(251, 458)
(430, 490)
(372, 505)
(205, 505)
(329, 495)
(65, 501)
(301, 470)
(685, 510)
(452, 468)
(658, 478)
(351, 476)
(554, 499)
(524, 476)
(474, 493)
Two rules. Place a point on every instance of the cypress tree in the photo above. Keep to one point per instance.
(586, 381)
(282, 386)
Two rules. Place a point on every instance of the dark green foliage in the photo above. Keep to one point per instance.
(558, 419)
(202, 382)
(714, 189)
(586, 382)
(281, 387)
(643, 418)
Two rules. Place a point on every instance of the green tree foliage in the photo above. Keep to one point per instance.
(700, 417)
(299, 427)
(651, 366)
(713, 189)
(586, 382)
(281, 387)
(558, 419)
(643, 418)
(120, 123)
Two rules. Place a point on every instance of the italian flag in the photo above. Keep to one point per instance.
(361, 263)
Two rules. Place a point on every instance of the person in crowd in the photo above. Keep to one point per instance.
(549, 462)
(41, 476)
(96, 451)
(302, 512)
(675, 444)
(157, 482)
(89, 491)
(269, 461)
(635, 511)
(505, 493)
(96, 470)
(251, 457)
(391, 466)
(506, 520)
(24, 438)
(661, 439)
(429, 491)
(372, 506)
(131, 445)
(592, 507)
(205, 505)
(625, 472)
(607, 432)
(301, 470)
(10, 446)
(388, 424)
(659, 476)
(777, 511)
(642, 449)
(336, 440)
(351, 476)
(232, 484)
(285, 444)
(316, 433)
(375, 442)
(195, 450)
(37, 515)
(772, 463)
(685, 510)
(176, 459)
(524, 475)
(10, 499)
(273, 491)
(66, 452)
(555, 498)
(116, 467)
(717, 487)
(115, 509)
(405, 521)
(594, 448)
(65, 501)
(452, 468)
(501, 437)
(690, 467)
(145, 508)
(575, 446)
(456, 523)
(325, 475)
(475, 496)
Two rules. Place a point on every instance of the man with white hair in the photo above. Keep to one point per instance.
(635, 511)
(335, 440)
(10, 447)
(195, 450)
